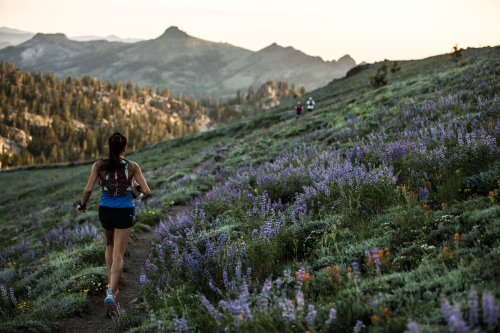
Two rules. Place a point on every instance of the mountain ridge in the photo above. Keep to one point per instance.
(176, 60)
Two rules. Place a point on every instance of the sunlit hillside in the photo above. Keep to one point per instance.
(45, 119)
(377, 212)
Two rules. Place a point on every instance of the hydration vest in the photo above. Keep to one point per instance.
(116, 182)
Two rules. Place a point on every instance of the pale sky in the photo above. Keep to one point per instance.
(368, 30)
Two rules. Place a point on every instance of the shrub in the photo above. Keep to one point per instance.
(150, 217)
(456, 55)
(92, 255)
(91, 284)
(485, 181)
(24, 326)
(380, 77)
(395, 67)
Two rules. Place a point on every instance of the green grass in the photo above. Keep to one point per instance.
(414, 280)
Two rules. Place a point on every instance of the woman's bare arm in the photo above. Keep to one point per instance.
(140, 179)
(90, 185)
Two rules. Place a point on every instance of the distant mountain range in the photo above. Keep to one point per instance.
(11, 37)
(174, 60)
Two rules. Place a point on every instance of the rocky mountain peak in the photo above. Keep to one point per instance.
(50, 37)
(174, 33)
(272, 48)
(347, 60)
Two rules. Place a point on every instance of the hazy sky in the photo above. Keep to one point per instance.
(368, 30)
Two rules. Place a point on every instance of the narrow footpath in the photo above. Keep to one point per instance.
(95, 321)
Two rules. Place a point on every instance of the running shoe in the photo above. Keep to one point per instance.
(110, 304)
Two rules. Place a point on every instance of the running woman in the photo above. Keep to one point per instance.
(115, 176)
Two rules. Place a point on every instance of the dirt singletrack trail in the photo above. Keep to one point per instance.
(95, 321)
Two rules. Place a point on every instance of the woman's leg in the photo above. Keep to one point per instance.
(120, 242)
(108, 254)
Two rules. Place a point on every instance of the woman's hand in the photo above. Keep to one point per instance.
(81, 208)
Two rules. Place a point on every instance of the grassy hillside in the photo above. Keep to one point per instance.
(378, 212)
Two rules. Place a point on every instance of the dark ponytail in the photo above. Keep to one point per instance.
(116, 145)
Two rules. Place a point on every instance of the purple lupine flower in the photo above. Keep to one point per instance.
(453, 317)
(158, 291)
(180, 325)
(238, 270)
(413, 327)
(51, 303)
(287, 310)
(473, 308)
(355, 271)
(331, 317)
(210, 308)
(12, 296)
(311, 315)
(5, 295)
(374, 254)
(214, 288)
(358, 326)
(278, 283)
(490, 310)
(254, 234)
(29, 291)
(456, 323)
(143, 279)
(264, 295)
(423, 194)
(300, 299)
(446, 309)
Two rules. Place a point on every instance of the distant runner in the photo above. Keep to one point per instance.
(310, 104)
(116, 177)
(298, 110)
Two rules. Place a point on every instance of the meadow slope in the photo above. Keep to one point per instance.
(377, 212)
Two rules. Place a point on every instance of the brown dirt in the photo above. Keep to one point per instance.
(95, 321)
